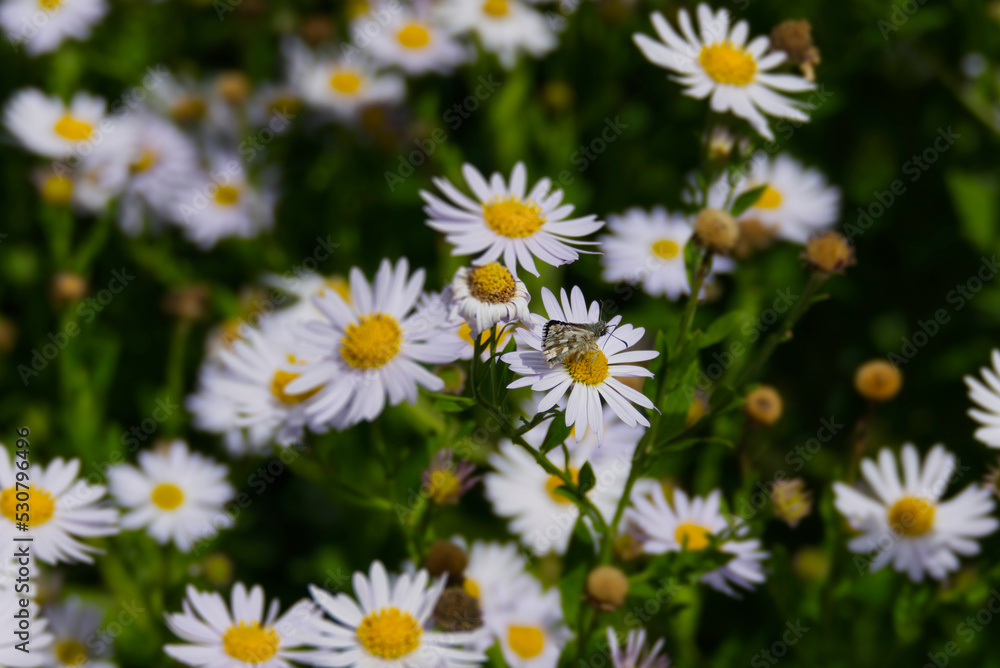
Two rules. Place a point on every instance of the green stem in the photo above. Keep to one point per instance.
(703, 264)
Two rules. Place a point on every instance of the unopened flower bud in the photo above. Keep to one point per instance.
(716, 230)
(829, 253)
(607, 586)
(763, 405)
(878, 380)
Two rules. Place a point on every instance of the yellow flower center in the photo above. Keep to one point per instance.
(589, 368)
(250, 643)
(728, 64)
(443, 487)
(555, 482)
(338, 285)
(497, 8)
(49, 5)
(71, 653)
(912, 516)
(691, 536)
(526, 641)
(666, 249)
(471, 587)
(73, 129)
(372, 342)
(146, 160)
(769, 199)
(167, 496)
(57, 190)
(347, 83)
(227, 195)
(513, 218)
(492, 283)
(40, 505)
(282, 378)
(285, 104)
(389, 633)
(414, 36)
(188, 109)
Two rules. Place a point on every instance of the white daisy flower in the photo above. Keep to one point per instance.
(530, 626)
(488, 295)
(178, 496)
(719, 62)
(491, 570)
(74, 626)
(634, 654)
(224, 204)
(417, 43)
(339, 85)
(504, 221)
(243, 636)
(588, 377)
(796, 204)
(41, 639)
(42, 25)
(50, 128)
(689, 524)
(389, 625)
(987, 397)
(62, 509)
(907, 523)
(272, 105)
(523, 492)
(368, 350)
(647, 249)
(246, 383)
(504, 27)
(440, 311)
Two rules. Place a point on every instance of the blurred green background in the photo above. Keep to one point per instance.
(891, 92)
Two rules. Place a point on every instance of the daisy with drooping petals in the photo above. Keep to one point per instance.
(177, 495)
(243, 636)
(389, 625)
(488, 295)
(797, 202)
(523, 492)
(718, 62)
(505, 221)
(529, 625)
(440, 310)
(689, 524)
(504, 27)
(340, 86)
(74, 626)
(417, 43)
(632, 655)
(42, 25)
(588, 377)
(48, 127)
(987, 398)
(247, 383)
(647, 249)
(62, 509)
(907, 523)
(368, 350)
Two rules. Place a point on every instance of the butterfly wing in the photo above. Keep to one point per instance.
(562, 339)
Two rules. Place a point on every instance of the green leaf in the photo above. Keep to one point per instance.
(587, 479)
(451, 404)
(721, 328)
(556, 435)
(747, 200)
(686, 443)
(570, 586)
(975, 200)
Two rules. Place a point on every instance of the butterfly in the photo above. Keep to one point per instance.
(563, 340)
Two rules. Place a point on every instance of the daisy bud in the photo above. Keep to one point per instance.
(716, 230)
(446, 557)
(878, 380)
(811, 563)
(763, 405)
(316, 29)
(608, 587)
(68, 287)
(233, 87)
(218, 569)
(56, 189)
(188, 109)
(795, 39)
(755, 236)
(445, 481)
(8, 335)
(829, 253)
(792, 501)
(457, 611)
(187, 303)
